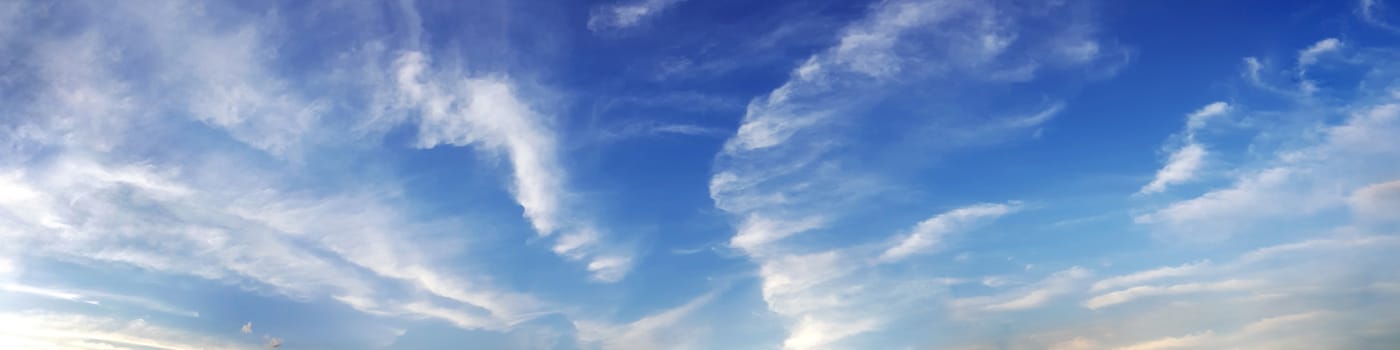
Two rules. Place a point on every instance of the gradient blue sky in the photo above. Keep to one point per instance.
(673, 174)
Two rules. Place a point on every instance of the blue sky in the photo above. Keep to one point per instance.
(687, 174)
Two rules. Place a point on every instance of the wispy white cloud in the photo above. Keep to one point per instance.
(1294, 177)
(1333, 160)
(488, 113)
(1032, 296)
(47, 293)
(626, 15)
(1379, 201)
(783, 174)
(661, 330)
(1134, 293)
(1373, 11)
(35, 330)
(928, 234)
(652, 129)
(1178, 342)
(1185, 162)
(97, 298)
(1310, 55)
(1149, 275)
(206, 210)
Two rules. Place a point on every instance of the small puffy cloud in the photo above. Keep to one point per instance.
(247, 328)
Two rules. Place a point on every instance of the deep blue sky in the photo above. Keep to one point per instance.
(687, 174)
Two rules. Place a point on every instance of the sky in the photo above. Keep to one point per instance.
(692, 174)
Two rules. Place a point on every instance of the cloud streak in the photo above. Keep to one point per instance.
(627, 15)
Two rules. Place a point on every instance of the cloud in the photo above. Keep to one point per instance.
(1295, 176)
(40, 330)
(486, 111)
(1379, 201)
(77, 191)
(247, 328)
(661, 330)
(1274, 323)
(1078, 343)
(1134, 293)
(488, 114)
(1309, 56)
(1032, 296)
(47, 293)
(1181, 167)
(1185, 163)
(928, 234)
(640, 130)
(793, 171)
(1185, 341)
(1197, 120)
(1314, 174)
(1149, 275)
(1370, 11)
(626, 15)
(98, 298)
(757, 230)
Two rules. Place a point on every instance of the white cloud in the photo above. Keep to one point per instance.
(1197, 120)
(33, 330)
(1031, 296)
(665, 329)
(488, 114)
(1275, 323)
(47, 293)
(626, 15)
(1379, 201)
(1371, 10)
(247, 328)
(1182, 166)
(928, 234)
(99, 298)
(1078, 343)
(1185, 163)
(1149, 275)
(652, 129)
(1185, 341)
(814, 333)
(1134, 293)
(1299, 180)
(788, 172)
(1310, 55)
(757, 230)
(1286, 249)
